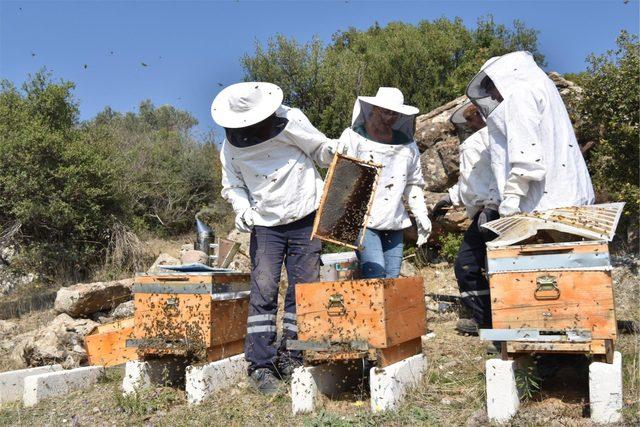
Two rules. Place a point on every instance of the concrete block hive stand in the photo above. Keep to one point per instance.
(388, 385)
(605, 390)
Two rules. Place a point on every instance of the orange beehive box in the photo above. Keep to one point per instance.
(388, 315)
(106, 344)
(202, 315)
(554, 288)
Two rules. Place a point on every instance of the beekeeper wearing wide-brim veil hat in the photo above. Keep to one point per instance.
(535, 157)
(381, 131)
(269, 177)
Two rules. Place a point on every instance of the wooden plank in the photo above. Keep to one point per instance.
(114, 326)
(401, 351)
(323, 196)
(356, 313)
(225, 350)
(405, 310)
(106, 345)
(593, 347)
(313, 357)
(515, 251)
(585, 302)
(186, 279)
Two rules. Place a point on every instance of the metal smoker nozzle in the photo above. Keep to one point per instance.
(205, 236)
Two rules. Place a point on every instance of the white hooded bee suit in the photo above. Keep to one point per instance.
(533, 148)
(401, 174)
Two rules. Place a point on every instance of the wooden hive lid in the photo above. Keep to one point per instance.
(592, 222)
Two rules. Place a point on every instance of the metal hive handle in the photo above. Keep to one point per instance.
(547, 288)
(336, 306)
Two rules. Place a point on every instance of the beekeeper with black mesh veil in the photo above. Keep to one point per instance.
(476, 190)
(381, 132)
(535, 157)
(269, 177)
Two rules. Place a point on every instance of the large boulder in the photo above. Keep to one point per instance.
(163, 259)
(61, 341)
(84, 299)
(126, 309)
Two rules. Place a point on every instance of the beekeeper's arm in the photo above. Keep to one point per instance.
(234, 190)
(310, 140)
(526, 154)
(414, 194)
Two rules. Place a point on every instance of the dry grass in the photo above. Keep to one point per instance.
(451, 393)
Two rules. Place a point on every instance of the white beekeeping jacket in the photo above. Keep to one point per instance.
(476, 185)
(277, 177)
(534, 152)
(400, 169)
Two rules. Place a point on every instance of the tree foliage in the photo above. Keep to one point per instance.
(75, 190)
(53, 182)
(431, 63)
(164, 174)
(610, 116)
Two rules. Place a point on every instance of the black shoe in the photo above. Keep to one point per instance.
(286, 368)
(265, 381)
(467, 326)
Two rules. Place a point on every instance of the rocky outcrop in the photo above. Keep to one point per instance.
(61, 341)
(84, 299)
(126, 309)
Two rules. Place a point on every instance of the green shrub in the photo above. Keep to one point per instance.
(610, 109)
(53, 183)
(449, 246)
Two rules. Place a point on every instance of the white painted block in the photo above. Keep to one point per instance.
(503, 399)
(389, 385)
(202, 381)
(304, 390)
(42, 386)
(605, 390)
(141, 374)
(12, 382)
(308, 382)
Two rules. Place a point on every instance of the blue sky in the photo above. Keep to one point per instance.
(190, 47)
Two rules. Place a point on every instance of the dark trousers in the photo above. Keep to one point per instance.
(469, 268)
(269, 248)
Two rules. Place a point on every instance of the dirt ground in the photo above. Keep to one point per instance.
(451, 393)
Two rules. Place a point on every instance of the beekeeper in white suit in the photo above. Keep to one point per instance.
(535, 157)
(269, 177)
(382, 132)
(477, 191)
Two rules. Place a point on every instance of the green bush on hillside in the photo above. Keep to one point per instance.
(76, 190)
(610, 110)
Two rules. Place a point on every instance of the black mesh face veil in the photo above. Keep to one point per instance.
(462, 127)
(405, 124)
(478, 94)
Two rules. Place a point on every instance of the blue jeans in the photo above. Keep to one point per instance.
(381, 254)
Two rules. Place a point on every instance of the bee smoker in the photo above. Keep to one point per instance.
(204, 238)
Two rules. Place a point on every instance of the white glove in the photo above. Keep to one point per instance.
(510, 205)
(424, 229)
(244, 221)
(414, 194)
